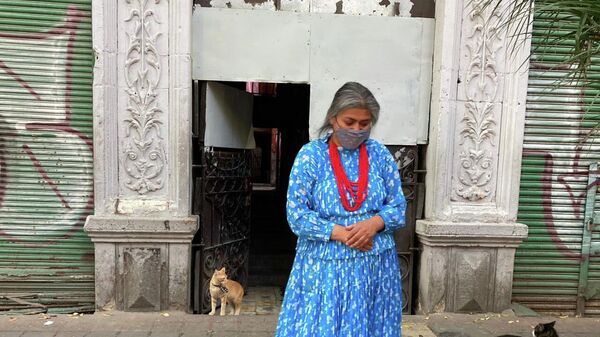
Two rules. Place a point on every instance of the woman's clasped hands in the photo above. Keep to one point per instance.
(359, 235)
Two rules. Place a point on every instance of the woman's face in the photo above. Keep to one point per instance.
(353, 118)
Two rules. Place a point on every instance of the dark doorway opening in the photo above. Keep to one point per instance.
(239, 194)
(281, 128)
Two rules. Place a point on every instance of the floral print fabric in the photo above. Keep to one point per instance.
(334, 290)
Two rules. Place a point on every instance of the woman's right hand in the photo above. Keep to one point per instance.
(367, 246)
(342, 235)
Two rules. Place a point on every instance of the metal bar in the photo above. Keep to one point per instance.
(587, 239)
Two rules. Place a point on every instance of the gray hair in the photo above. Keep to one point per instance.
(351, 95)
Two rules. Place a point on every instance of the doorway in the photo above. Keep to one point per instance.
(240, 175)
(281, 128)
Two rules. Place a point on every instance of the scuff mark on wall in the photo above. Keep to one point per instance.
(339, 7)
(205, 3)
(385, 3)
(228, 4)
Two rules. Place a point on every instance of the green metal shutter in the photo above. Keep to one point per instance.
(555, 180)
(46, 163)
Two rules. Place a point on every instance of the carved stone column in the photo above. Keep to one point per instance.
(469, 236)
(142, 228)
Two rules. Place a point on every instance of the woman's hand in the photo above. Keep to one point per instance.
(340, 234)
(361, 234)
(366, 247)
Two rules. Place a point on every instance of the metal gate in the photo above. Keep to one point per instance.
(558, 267)
(407, 158)
(46, 164)
(222, 200)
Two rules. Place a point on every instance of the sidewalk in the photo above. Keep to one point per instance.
(176, 324)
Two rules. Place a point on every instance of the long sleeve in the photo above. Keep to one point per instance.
(393, 211)
(302, 218)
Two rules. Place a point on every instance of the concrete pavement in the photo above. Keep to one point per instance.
(176, 324)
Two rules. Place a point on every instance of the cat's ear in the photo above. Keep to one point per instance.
(222, 270)
(551, 324)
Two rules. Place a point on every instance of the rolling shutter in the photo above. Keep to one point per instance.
(556, 180)
(46, 164)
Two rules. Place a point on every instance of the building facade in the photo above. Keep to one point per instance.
(171, 176)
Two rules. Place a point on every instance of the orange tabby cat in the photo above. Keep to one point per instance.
(228, 291)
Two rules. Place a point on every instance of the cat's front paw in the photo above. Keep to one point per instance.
(222, 313)
(212, 313)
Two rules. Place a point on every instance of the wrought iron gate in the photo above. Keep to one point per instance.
(222, 190)
(407, 158)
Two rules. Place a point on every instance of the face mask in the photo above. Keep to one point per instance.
(351, 139)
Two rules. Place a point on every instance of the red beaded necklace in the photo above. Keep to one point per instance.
(357, 190)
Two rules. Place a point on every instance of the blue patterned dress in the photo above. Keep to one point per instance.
(334, 290)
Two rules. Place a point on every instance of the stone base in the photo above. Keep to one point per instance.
(466, 267)
(142, 264)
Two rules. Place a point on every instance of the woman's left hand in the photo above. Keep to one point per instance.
(363, 232)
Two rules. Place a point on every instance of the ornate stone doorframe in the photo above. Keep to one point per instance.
(469, 234)
(142, 227)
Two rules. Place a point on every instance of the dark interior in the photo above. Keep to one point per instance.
(272, 244)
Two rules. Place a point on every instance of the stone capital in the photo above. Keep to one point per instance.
(137, 229)
(470, 234)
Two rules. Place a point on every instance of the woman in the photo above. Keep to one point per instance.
(344, 201)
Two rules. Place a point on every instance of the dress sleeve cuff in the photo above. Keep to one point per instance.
(386, 221)
(328, 230)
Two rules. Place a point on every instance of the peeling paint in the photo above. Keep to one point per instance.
(255, 2)
(243, 4)
(354, 7)
(404, 7)
(396, 11)
(423, 9)
(338, 7)
(300, 6)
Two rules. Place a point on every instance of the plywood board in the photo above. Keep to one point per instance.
(243, 45)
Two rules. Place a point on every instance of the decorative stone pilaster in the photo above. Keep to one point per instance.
(470, 234)
(142, 227)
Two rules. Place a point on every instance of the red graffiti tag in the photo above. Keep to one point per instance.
(19, 80)
(576, 200)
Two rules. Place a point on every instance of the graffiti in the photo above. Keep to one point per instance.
(35, 132)
(18, 78)
(575, 196)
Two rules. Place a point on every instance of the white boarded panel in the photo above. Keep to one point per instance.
(228, 117)
(242, 45)
(390, 56)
